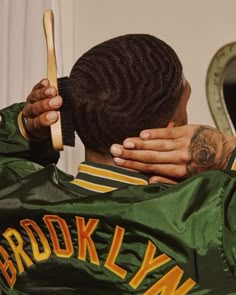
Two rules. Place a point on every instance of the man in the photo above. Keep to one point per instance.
(106, 231)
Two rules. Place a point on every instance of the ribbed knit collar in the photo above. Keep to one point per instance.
(98, 178)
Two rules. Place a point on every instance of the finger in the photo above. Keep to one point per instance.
(116, 150)
(166, 170)
(165, 133)
(34, 110)
(151, 157)
(42, 93)
(153, 144)
(44, 120)
(156, 179)
(41, 84)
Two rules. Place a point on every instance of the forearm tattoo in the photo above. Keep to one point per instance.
(208, 149)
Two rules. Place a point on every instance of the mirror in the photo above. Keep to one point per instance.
(221, 88)
(229, 90)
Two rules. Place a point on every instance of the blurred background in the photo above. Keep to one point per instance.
(195, 29)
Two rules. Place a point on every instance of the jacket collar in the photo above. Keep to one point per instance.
(98, 178)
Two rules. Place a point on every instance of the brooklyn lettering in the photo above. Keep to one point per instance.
(169, 283)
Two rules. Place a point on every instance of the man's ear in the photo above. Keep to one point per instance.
(171, 124)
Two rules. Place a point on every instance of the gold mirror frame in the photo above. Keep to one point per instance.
(214, 87)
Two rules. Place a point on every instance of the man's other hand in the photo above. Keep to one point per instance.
(40, 110)
(170, 154)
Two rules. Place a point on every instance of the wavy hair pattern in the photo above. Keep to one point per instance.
(122, 86)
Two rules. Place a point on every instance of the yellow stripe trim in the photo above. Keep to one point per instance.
(108, 174)
(92, 186)
(234, 165)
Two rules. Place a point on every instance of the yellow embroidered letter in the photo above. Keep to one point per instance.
(18, 250)
(85, 240)
(7, 268)
(169, 282)
(114, 251)
(149, 264)
(68, 251)
(26, 224)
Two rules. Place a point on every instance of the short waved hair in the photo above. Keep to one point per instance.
(122, 86)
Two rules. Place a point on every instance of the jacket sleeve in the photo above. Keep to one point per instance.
(14, 141)
(229, 226)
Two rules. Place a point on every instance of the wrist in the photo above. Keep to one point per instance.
(26, 130)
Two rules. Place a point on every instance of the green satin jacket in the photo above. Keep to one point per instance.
(139, 239)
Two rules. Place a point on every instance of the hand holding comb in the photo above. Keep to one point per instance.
(62, 132)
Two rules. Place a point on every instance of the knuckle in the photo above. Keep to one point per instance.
(148, 168)
(44, 105)
(163, 145)
(31, 98)
(127, 154)
(169, 132)
(42, 121)
(33, 94)
(38, 108)
(149, 156)
(27, 111)
(185, 157)
(178, 172)
(139, 143)
(33, 110)
(178, 142)
(35, 124)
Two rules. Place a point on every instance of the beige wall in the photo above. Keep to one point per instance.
(196, 29)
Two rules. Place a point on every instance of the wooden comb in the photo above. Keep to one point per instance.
(48, 23)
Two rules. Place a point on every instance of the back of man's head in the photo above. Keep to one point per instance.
(122, 86)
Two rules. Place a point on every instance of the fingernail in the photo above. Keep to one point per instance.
(115, 150)
(51, 116)
(129, 145)
(153, 180)
(118, 161)
(55, 101)
(49, 91)
(145, 135)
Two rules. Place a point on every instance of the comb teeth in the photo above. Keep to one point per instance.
(67, 125)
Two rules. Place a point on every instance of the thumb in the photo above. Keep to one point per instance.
(155, 179)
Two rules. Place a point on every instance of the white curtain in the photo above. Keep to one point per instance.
(22, 50)
(23, 53)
